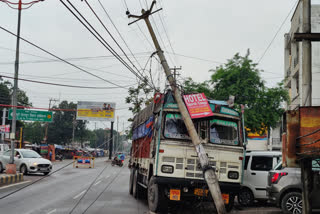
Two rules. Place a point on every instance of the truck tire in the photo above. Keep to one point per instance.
(229, 206)
(292, 203)
(156, 198)
(136, 188)
(131, 181)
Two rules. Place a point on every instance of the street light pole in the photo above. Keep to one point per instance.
(15, 87)
(16, 71)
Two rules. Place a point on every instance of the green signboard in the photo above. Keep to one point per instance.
(32, 115)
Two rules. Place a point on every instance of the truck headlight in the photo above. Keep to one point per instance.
(233, 175)
(167, 169)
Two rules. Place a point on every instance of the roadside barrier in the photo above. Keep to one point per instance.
(9, 179)
(83, 161)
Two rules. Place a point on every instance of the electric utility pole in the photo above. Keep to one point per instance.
(209, 172)
(16, 70)
(3, 123)
(111, 141)
(175, 74)
(306, 37)
(47, 123)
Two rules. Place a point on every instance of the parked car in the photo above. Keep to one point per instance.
(255, 176)
(27, 161)
(285, 187)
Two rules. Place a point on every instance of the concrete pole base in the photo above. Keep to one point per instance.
(11, 169)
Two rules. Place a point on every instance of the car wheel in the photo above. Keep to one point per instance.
(245, 197)
(292, 203)
(23, 169)
(156, 198)
(1, 168)
(46, 173)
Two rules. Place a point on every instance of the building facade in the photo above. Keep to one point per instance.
(293, 58)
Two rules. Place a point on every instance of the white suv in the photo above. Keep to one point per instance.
(255, 180)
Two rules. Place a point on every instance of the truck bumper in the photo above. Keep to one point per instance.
(194, 183)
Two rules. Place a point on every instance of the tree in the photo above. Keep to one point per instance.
(241, 78)
(34, 132)
(6, 89)
(139, 97)
(60, 130)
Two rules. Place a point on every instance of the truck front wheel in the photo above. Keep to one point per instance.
(156, 198)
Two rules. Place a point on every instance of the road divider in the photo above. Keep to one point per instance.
(9, 179)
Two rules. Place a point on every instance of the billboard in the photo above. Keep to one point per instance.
(197, 105)
(95, 111)
(4, 128)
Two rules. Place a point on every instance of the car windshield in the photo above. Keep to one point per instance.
(223, 132)
(175, 128)
(30, 154)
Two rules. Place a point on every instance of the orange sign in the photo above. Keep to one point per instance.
(197, 105)
(175, 194)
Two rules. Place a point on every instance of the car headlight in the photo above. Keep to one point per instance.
(35, 164)
(233, 175)
(167, 169)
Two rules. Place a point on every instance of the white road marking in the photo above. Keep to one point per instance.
(52, 211)
(16, 184)
(107, 176)
(77, 196)
(97, 183)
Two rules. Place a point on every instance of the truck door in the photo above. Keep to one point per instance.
(258, 174)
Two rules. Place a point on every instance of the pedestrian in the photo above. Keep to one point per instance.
(50, 155)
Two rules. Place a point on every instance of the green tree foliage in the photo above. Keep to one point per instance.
(139, 97)
(34, 132)
(240, 77)
(6, 89)
(60, 130)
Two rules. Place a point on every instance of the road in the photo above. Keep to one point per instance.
(61, 191)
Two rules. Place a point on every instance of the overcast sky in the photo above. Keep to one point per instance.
(207, 29)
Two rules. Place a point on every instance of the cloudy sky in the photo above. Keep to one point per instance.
(196, 35)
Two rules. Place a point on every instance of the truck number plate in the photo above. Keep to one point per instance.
(225, 198)
(201, 192)
(175, 194)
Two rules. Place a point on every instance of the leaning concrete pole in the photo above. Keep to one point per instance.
(306, 172)
(209, 173)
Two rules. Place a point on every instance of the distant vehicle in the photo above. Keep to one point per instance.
(3, 148)
(27, 161)
(285, 187)
(255, 180)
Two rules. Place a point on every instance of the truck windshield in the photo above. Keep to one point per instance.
(223, 132)
(174, 127)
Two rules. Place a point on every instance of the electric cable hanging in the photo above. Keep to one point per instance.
(69, 63)
(101, 39)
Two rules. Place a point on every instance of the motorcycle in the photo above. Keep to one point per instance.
(117, 162)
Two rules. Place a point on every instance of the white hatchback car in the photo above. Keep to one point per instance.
(255, 175)
(27, 161)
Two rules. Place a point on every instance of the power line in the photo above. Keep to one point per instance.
(88, 188)
(64, 85)
(99, 37)
(113, 37)
(272, 40)
(94, 69)
(104, 9)
(11, 193)
(4, 29)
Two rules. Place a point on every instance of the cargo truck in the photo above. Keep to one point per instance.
(164, 163)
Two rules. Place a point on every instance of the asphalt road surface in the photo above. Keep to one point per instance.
(65, 192)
